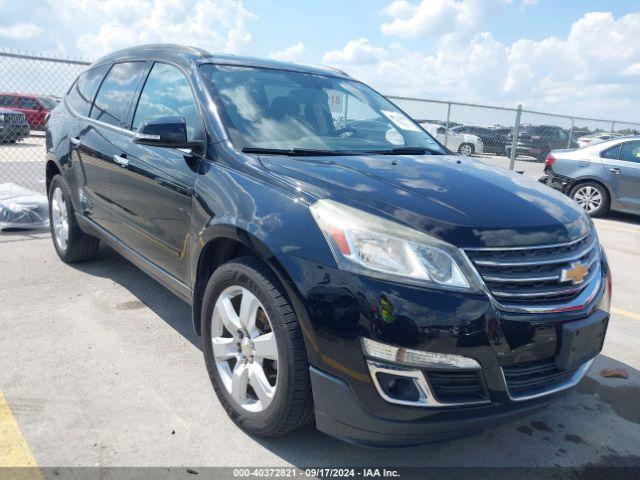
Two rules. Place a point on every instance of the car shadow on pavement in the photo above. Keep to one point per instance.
(575, 430)
(623, 217)
(173, 311)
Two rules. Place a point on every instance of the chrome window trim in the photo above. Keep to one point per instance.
(572, 382)
(427, 398)
(115, 128)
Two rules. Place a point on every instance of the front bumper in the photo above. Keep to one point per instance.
(11, 132)
(339, 414)
(342, 308)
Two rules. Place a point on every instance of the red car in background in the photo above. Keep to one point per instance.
(35, 107)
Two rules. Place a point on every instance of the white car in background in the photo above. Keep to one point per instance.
(463, 143)
(596, 138)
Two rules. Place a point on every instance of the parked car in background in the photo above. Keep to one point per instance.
(462, 143)
(600, 177)
(595, 138)
(35, 107)
(393, 292)
(494, 141)
(13, 126)
(538, 140)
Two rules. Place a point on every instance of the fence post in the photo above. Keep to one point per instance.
(570, 133)
(613, 125)
(446, 132)
(514, 141)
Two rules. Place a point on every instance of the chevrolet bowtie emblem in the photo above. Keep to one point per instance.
(575, 274)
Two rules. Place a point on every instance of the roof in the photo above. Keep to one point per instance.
(185, 54)
(27, 95)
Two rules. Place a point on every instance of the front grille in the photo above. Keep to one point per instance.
(13, 118)
(534, 377)
(534, 275)
(457, 386)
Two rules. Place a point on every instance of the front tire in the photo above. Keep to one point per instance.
(592, 197)
(466, 149)
(254, 350)
(70, 242)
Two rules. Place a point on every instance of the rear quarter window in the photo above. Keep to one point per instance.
(80, 96)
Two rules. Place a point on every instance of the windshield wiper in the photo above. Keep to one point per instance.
(294, 151)
(405, 151)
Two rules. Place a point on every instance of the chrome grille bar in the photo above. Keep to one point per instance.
(538, 276)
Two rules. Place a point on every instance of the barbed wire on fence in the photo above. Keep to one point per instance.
(509, 137)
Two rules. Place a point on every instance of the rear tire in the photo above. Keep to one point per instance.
(592, 197)
(70, 242)
(285, 402)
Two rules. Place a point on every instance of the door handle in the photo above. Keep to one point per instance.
(121, 160)
(75, 141)
(615, 171)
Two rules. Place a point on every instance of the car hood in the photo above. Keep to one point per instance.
(460, 200)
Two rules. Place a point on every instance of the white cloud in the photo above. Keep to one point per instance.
(291, 54)
(436, 17)
(92, 28)
(20, 31)
(592, 72)
(356, 52)
(218, 25)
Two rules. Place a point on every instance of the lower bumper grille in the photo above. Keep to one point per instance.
(457, 387)
(532, 378)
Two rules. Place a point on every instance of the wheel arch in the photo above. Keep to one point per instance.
(222, 243)
(599, 181)
(51, 170)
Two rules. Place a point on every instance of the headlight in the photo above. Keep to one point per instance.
(2, 117)
(372, 246)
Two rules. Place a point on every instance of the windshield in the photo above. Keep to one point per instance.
(48, 103)
(267, 109)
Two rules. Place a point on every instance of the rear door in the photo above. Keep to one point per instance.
(103, 145)
(624, 174)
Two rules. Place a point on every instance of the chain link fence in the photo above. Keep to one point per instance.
(515, 138)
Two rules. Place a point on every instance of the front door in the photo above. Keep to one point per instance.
(154, 195)
(624, 175)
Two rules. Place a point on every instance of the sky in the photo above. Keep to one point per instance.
(579, 57)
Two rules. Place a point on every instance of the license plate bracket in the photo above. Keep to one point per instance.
(581, 340)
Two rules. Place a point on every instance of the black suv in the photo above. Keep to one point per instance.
(538, 140)
(13, 126)
(336, 269)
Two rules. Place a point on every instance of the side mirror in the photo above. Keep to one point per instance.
(164, 132)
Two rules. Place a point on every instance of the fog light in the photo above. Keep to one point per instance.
(382, 351)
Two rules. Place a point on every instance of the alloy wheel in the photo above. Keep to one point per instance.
(60, 218)
(466, 150)
(244, 348)
(589, 198)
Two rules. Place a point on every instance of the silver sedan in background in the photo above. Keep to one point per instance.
(600, 177)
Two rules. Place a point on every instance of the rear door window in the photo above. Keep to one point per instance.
(630, 152)
(116, 92)
(167, 93)
(611, 153)
(81, 94)
(28, 103)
